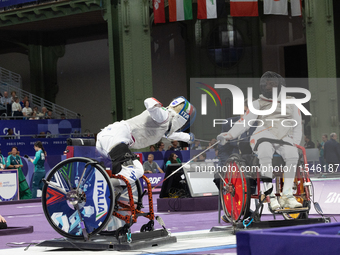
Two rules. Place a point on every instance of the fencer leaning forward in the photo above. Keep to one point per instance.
(291, 133)
(143, 130)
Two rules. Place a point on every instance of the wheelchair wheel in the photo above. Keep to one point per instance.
(77, 197)
(298, 188)
(123, 204)
(235, 190)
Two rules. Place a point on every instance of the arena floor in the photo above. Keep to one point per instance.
(190, 228)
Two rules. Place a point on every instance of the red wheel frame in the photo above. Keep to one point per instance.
(235, 198)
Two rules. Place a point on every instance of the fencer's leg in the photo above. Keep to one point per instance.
(266, 167)
(289, 176)
(265, 154)
(290, 154)
(117, 186)
(125, 163)
(132, 172)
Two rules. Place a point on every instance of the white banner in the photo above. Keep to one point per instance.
(9, 185)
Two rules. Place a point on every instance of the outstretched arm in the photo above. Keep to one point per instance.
(156, 110)
(179, 136)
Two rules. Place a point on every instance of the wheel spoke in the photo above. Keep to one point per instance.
(55, 187)
(81, 178)
(82, 223)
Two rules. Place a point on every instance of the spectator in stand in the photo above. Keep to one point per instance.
(14, 161)
(27, 111)
(43, 113)
(2, 161)
(212, 142)
(13, 95)
(152, 148)
(62, 116)
(7, 102)
(322, 148)
(10, 134)
(173, 159)
(175, 146)
(202, 157)
(23, 102)
(332, 153)
(34, 116)
(16, 108)
(196, 145)
(216, 153)
(160, 146)
(49, 115)
(42, 134)
(308, 143)
(150, 166)
(35, 112)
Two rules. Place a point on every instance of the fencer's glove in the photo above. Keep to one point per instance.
(223, 138)
(192, 138)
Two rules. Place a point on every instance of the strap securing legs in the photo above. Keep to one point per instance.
(120, 154)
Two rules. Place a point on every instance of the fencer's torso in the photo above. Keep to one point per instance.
(292, 122)
(278, 130)
(145, 130)
(142, 130)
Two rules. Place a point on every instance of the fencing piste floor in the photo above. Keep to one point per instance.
(190, 228)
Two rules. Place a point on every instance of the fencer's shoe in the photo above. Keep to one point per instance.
(274, 204)
(225, 219)
(289, 201)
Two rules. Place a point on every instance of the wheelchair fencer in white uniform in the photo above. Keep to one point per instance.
(275, 130)
(143, 130)
(139, 132)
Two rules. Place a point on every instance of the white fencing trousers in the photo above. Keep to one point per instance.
(112, 135)
(289, 154)
(132, 172)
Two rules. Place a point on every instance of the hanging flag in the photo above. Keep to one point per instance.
(180, 10)
(295, 6)
(277, 7)
(158, 11)
(206, 9)
(221, 9)
(243, 8)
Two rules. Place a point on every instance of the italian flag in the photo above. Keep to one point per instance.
(243, 8)
(180, 10)
(206, 9)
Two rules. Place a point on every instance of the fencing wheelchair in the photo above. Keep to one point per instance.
(238, 187)
(79, 201)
